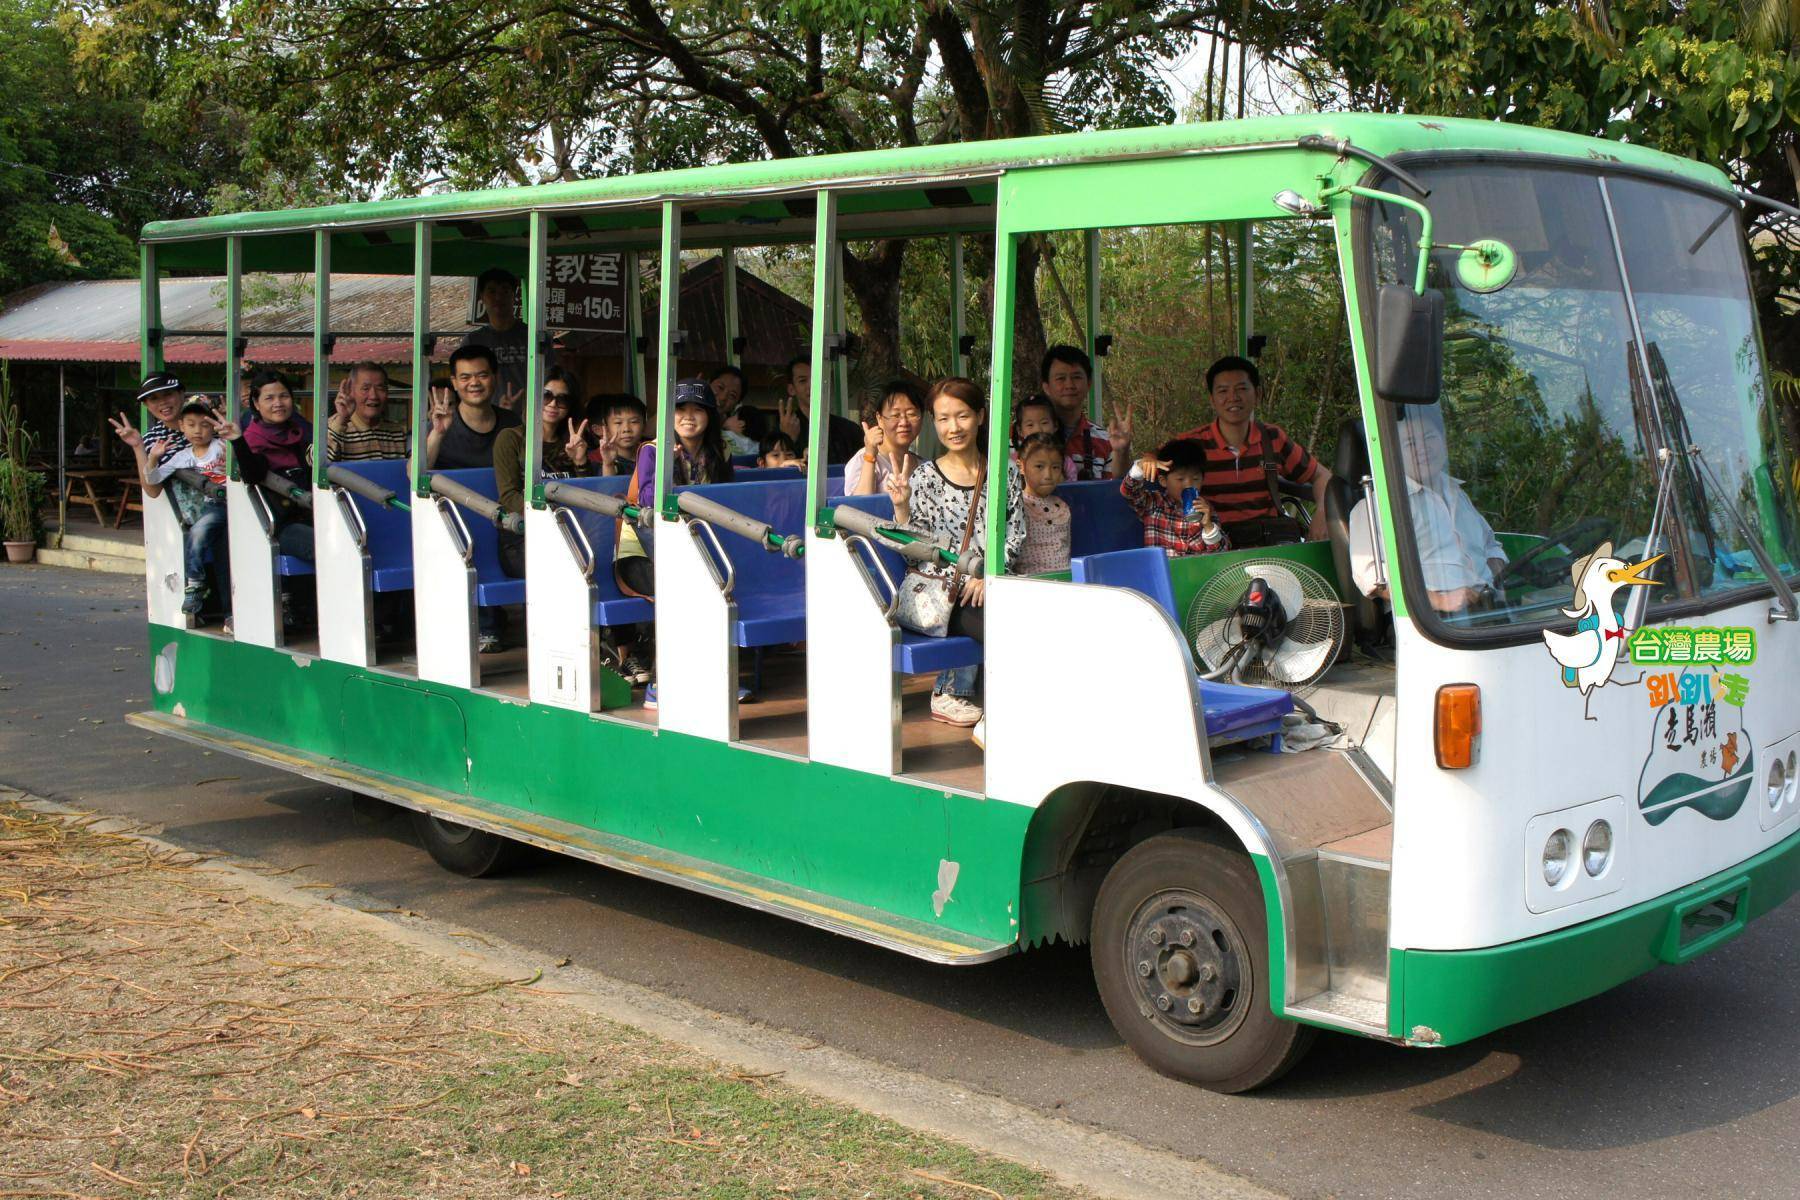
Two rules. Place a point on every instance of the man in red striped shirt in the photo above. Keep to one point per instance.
(1242, 452)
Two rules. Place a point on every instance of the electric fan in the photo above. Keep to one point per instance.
(1267, 623)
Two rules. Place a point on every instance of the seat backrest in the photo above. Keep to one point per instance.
(1144, 569)
(1099, 518)
(602, 532)
(390, 529)
(1342, 495)
(782, 504)
(755, 474)
(484, 537)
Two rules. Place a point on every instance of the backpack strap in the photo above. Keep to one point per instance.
(1270, 465)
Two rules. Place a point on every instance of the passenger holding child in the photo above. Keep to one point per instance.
(1048, 521)
(890, 427)
(160, 394)
(946, 500)
(1246, 458)
(202, 509)
(1165, 491)
(277, 440)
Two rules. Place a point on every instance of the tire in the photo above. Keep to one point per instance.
(1201, 1016)
(466, 851)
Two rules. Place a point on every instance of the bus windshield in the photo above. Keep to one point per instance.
(1628, 328)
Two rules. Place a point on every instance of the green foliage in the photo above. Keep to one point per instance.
(21, 490)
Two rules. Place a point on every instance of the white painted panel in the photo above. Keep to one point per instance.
(1458, 882)
(443, 598)
(1047, 727)
(854, 719)
(164, 576)
(255, 587)
(696, 662)
(562, 643)
(346, 616)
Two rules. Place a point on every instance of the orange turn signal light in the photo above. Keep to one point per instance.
(1457, 731)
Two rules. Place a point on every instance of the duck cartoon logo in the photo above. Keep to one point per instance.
(1587, 656)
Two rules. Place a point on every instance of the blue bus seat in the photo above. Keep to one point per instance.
(770, 589)
(834, 477)
(1235, 713)
(1144, 569)
(1099, 518)
(917, 654)
(390, 529)
(287, 564)
(493, 586)
(612, 607)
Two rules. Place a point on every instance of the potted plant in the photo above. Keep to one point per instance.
(21, 490)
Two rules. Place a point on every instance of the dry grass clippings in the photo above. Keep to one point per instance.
(165, 1032)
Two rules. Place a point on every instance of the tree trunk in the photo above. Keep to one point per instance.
(873, 277)
(1028, 323)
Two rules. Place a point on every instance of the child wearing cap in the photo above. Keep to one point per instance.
(202, 508)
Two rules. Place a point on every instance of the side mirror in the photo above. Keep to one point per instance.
(1409, 344)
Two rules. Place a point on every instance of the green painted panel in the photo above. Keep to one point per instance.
(1192, 572)
(868, 839)
(1158, 191)
(1463, 994)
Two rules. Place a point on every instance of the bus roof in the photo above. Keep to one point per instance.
(1384, 134)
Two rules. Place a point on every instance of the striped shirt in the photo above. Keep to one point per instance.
(159, 433)
(384, 439)
(1234, 482)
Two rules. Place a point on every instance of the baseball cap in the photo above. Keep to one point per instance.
(156, 383)
(197, 403)
(695, 391)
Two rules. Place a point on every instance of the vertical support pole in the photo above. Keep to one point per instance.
(732, 356)
(422, 346)
(959, 362)
(234, 303)
(1006, 267)
(321, 388)
(826, 324)
(634, 326)
(840, 376)
(1091, 248)
(670, 308)
(1246, 313)
(535, 338)
(150, 352)
(62, 455)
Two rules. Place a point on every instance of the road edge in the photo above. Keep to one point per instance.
(1104, 1163)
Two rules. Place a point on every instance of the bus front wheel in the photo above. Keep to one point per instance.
(459, 848)
(1181, 949)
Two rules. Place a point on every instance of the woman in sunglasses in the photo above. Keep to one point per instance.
(565, 455)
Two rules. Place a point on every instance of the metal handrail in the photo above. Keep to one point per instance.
(862, 552)
(352, 517)
(459, 530)
(576, 539)
(728, 581)
(259, 504)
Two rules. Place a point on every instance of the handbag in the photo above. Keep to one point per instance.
(925, 601)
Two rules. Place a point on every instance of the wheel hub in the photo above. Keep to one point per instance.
(1188, 960)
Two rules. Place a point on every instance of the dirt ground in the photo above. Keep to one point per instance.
(166, 1032)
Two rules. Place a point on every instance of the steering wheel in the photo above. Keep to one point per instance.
(1584, 534)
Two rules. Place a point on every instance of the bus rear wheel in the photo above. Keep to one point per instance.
(1181, 957)
(462, 849)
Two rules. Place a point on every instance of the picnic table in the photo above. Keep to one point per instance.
(96, 487)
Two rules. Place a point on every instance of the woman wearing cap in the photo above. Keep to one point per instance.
(699, 457)
(160, 394)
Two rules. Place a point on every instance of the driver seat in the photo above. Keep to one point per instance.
(1362, 615)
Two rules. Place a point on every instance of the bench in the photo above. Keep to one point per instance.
(494, 588)
(769, 588)
(1233, 713)
(390, 529)
(917, 653)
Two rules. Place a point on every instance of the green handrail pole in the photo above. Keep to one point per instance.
(840, 376)
(321, 389)
(1425, 226)
(1246, 314)
(1091, 247)
(634, 326)
(1006, 266)
(729, 270)
(150, 351)
(958, 307)
(535, 338)
(234, 301)
(421, 352)
(825, 323)
(666, 366)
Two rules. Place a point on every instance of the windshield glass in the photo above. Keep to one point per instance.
(1544, 445)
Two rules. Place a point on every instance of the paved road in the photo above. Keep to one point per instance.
(1682, 1083)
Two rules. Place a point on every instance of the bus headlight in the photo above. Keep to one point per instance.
(1559, 856)
(1777, 783)
(1597, 849)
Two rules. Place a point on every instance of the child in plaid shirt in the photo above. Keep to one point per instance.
(1179, 523)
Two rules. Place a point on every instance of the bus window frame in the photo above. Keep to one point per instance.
(1404, 566)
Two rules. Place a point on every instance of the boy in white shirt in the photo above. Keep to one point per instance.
(202, 509)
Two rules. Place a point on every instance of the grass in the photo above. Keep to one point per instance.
(165, 1032)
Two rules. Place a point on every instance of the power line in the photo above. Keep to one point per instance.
(7, 162)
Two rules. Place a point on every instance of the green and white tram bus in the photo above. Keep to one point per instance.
(1552, 774)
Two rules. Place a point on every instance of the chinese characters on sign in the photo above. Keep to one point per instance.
(1699, 645)
(586, 292)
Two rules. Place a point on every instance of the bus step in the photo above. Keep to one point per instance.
(916, 938)
(1351, 877)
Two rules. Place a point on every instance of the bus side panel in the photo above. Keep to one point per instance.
(868, 839)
